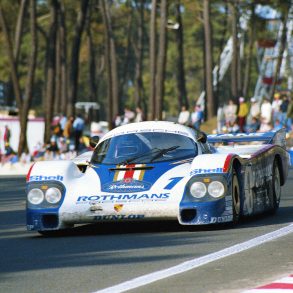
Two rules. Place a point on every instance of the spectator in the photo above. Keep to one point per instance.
(232, 127)
(78, 126)
(184, 116)
(117, 121)
(197, 117)
(39, 151)
(9, 154)
(7, 135)
(62, 122)
(284, 109)
(68, 131)
(253, 126)
(128, 115)
(265, 125)
(290, 116)
(220, 119)
(266, 111)
(276, 108)
(62, 144)
(278, 125)
(254, 111)
(139, 115)
(25, 158)
(242, 113)
(230, 111)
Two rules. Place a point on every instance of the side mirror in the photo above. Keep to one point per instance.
(201, 137)
(94, 141)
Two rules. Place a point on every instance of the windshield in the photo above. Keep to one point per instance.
(144, 148)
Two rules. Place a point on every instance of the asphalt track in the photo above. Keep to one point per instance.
(95, 257)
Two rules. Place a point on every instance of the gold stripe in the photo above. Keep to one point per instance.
(116, 174)
(141, 173)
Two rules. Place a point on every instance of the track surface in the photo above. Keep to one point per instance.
(91, 258)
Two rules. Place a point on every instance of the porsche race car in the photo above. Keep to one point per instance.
(160, 170)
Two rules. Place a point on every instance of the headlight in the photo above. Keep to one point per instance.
(216, 189)
(35, 196)
(198, 189)
(53, 195)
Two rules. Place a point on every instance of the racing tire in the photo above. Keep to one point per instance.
(236, 202)
(50, 233)
(276, 190)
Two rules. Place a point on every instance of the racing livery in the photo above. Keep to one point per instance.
(160, 170)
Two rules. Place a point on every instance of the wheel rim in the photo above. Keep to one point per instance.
(277, 184)
(236, 199)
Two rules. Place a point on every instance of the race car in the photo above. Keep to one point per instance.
(159, 170)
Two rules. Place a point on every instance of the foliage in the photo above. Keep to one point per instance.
(125, 24)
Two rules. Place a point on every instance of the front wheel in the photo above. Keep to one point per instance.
(236, 199)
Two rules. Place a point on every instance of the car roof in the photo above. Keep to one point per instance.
(151, 126)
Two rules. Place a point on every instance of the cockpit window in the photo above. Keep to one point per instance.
(144, 148)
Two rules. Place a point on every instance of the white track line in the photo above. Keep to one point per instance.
(197, 262)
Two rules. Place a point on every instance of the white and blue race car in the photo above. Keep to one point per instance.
(160, 171)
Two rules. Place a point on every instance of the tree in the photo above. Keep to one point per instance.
(92, 59)
(111, 64)
(180, 72)
(23, 102)
(251, 36)
(51, 69)
(208, 61)
(139, 54)
(28, 95)
(63, 58)
(153, 60)
(74, 58)
(235, 58)
(161, 61)
(285, 16)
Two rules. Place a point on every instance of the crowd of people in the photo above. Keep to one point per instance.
(128, 117)
(67, 139)
(256, 116)
(193, 119)
(246, 116)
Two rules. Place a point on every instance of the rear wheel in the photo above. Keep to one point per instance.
(276, 183)
(236, 198)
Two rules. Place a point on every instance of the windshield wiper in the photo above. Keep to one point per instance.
(130, 160)
(163, 152)
(158, 152)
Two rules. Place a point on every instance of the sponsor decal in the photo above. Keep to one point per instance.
(126, 185)
(117, 217)
(45, 178)
(83, 199)
(118, 207)
(131, 172)
(204, 171)
(237, 135)
(221, 219)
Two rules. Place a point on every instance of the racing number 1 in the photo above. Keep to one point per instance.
(172, 183)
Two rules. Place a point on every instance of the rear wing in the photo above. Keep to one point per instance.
(272, 137)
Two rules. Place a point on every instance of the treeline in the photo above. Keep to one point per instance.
(156, 54)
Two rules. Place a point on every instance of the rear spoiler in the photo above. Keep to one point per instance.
(273, 137)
